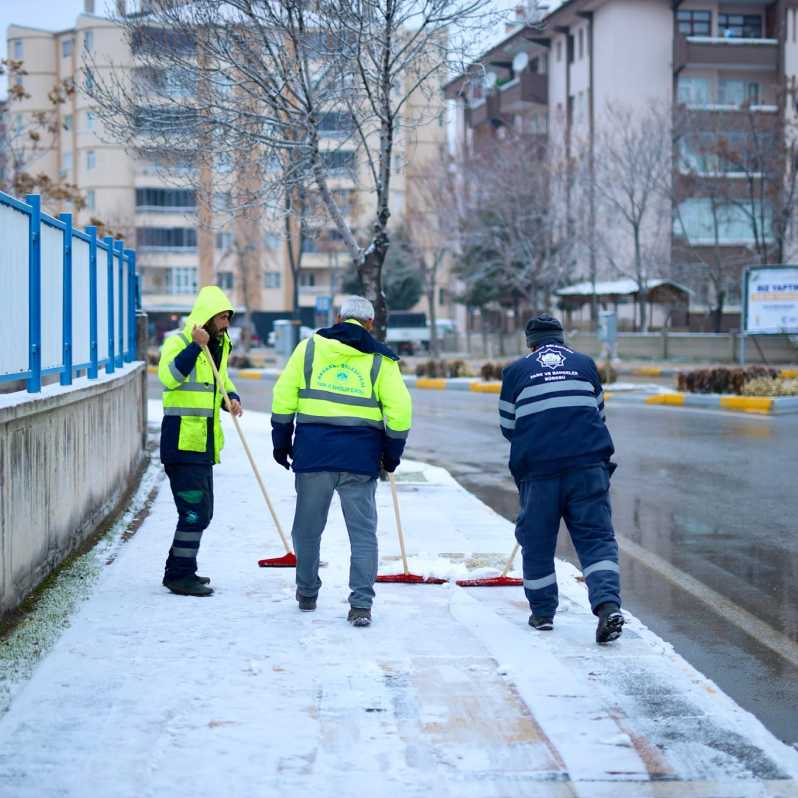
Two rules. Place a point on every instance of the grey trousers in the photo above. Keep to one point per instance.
(314, 492)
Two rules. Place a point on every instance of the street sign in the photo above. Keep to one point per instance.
(608, 327)
(323, 304)
(770, 297)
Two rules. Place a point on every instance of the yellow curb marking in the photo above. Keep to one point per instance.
(152, 369)
(788, 374)
(747, 404)
(674, 399)
(249, 374)
(485, 387)
(648, 371)
(433, 384)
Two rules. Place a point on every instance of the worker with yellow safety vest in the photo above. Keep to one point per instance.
(343, 390)
(191, 432)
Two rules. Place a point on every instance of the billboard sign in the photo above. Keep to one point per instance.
(770, 299)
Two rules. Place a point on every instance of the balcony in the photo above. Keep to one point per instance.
(712, 52)
(529, 87)
(485, 111)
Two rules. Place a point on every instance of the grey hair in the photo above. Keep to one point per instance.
(357, 307)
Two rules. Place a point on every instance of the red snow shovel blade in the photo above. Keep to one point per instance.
(412, 579)
(286, 561)
(491, 581)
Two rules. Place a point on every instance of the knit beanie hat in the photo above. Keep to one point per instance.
(543, 328)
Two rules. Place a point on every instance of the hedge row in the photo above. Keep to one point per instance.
(722, 379)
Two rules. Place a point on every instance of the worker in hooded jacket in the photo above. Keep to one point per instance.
(343, 393)
(191, 431)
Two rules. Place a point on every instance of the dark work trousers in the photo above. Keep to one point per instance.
(192, 488)
(580, 496)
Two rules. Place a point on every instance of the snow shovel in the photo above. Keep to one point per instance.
(406, 577)
(495, 581)
(288, 560)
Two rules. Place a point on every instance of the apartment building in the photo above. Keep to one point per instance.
(727, 67)
(3, 143)
(157, 209)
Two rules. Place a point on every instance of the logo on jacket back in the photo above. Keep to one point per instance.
(342, 378)
(550, 358)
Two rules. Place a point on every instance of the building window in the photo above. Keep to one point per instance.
(698, 218)
(581, 44)
(740, 26)
(166, 199)
(88, 81)
(693, 91)
(88, 40)
(19, 123)
(271, 279)
(307, 279)
(338, 161)
(67, 122)
(224, 241)
(695, 23)
(67, 46)
(183, 280)
(441, 296)
(173, 238)
(272, 240)
(18, 50)
(90, 200)
(738, 92)
(225, 280)
(66, 163)
(336, 123)
(91, 159)
(89, 120)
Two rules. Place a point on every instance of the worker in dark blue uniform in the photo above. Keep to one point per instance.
(551, 410)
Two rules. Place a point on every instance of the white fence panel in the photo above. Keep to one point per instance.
(102, 304)
(14, 226)
(52, 297)
(81, 351)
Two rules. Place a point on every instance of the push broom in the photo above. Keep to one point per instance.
(288, 560)
(495, 581)
(406, 577)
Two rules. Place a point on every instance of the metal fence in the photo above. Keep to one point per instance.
(67, 298)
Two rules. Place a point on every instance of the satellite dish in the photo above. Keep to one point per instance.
(490, 80)
(520, 62)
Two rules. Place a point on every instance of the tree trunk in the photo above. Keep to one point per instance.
(434, 349)
(717, 313)
(371, 277)
(641, 283)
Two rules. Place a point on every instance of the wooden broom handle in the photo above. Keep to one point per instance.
(246, 447)
(395, 496)
(510, 561)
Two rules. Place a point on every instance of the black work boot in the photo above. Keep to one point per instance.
(610, 622)
(306, 603)
(541, 624)
(359, 616)
(203, 580)
(188, 586)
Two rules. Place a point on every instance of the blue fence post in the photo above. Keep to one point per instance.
(109, 243)
(92, 233)
(35, 293)
(131, 305)
(119, 248)
(66, 374)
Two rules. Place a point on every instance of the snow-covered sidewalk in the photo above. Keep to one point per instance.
(448, 693)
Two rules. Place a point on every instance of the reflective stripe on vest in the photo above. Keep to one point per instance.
(341, 399)
(188, 411)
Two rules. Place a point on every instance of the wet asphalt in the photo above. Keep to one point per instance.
(703, 499)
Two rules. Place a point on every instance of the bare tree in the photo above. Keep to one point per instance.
(272, 74)
(632, 164)
(34, 137)
(513, 220)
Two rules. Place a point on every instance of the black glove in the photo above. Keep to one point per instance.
(389, 464)
(282, 455)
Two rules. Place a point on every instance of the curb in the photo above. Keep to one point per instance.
(759, 405)
(670, 371)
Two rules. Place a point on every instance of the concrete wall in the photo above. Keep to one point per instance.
(695, 347)
(66, 459)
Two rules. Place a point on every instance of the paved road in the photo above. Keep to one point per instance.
(706, 510)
